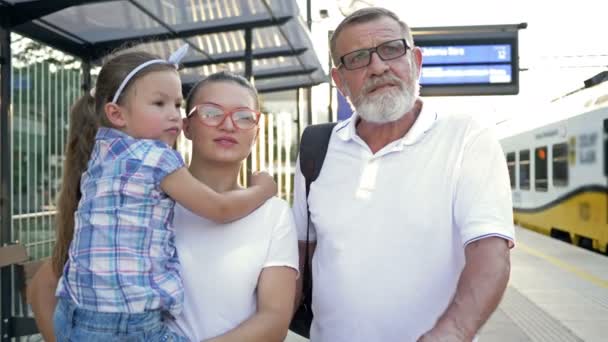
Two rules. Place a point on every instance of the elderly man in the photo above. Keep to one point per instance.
(410, 218)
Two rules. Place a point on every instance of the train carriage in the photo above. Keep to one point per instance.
(559, 174)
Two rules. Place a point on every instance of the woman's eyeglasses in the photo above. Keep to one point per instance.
(386, 51)
(214, 115)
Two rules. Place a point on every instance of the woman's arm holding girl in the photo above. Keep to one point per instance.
(220, 207)
(41, 295)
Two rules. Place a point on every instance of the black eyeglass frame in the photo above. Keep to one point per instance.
(371, 51)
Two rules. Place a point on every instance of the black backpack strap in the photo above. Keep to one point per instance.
(313, 148)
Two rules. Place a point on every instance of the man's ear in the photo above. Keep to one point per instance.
(115, 115)
(186, 128)
(417, 54)
(335, 75)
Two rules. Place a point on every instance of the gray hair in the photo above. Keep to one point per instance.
(365, 15)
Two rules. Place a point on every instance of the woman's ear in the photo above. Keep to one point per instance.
(115, 115)
(186, 128)
(255, 136)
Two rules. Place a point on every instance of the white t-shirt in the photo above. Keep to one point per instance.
(221, 265)
(391, 227)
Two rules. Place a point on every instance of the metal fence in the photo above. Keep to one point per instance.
(45, 84)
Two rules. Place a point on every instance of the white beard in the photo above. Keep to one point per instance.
(390, 104)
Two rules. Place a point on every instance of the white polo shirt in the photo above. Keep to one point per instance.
(221, 265)
(391, 227)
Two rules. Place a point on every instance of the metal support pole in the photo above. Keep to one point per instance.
(309, 105)
(248, 76)
(330, 82)
(5, 175)
(309, 14)
(248, 54)
(309, 89)
(298, 113)
(86, 76)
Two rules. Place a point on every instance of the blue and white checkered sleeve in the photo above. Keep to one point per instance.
(163, 161)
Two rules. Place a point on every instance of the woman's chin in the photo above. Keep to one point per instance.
(227, 158)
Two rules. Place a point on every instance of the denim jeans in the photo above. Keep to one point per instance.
(74, 324)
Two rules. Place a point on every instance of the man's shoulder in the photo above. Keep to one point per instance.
(465, 122)
(463, 118)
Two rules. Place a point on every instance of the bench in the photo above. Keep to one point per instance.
(16, 255)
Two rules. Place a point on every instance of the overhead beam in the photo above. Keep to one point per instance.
(284, 72)
(270, 89)
(239, 57)
(262, 75)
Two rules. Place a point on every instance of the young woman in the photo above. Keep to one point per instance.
(239, 281)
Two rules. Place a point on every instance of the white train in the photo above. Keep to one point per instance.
(559, 172)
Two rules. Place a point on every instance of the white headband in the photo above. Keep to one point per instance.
(174, 59)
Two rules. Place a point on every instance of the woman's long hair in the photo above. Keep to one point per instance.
(81, 134)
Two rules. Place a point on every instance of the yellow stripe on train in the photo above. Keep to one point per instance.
(580, 218)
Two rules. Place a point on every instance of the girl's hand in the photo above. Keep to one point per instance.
(265, 181)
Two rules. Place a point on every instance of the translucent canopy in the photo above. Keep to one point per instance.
(281, 49)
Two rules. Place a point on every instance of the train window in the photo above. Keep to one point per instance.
(524, 169)
(511, 167)
(540, 168)
(560, 164)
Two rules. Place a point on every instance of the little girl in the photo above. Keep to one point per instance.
(121, 277)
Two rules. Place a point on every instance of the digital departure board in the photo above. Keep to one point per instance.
(466, 64)
(469, 60)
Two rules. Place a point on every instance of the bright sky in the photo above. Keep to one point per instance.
(564, 44)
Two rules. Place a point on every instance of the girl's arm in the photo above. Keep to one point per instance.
(41, 296)
(220, 207)
(276, 293)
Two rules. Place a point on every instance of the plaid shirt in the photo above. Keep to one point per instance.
(123, 257)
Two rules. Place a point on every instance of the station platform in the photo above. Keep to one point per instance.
(557, 293)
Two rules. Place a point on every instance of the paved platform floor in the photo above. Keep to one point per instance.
(557, 293)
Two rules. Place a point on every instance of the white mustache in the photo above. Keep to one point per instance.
(381, 80)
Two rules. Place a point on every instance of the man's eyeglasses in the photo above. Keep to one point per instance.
(214, 115)
(386, 51)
